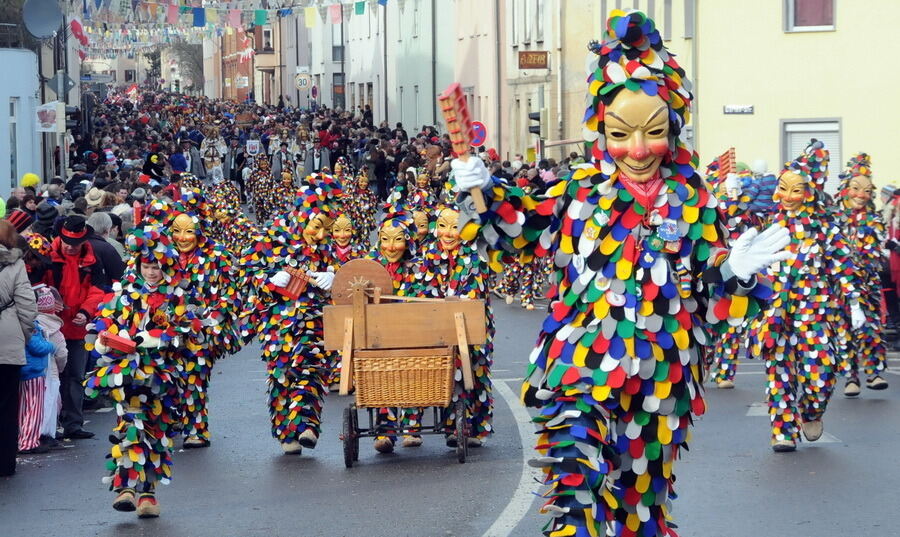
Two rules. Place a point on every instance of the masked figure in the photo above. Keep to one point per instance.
(796, 333)
(363, 205)
(865, 232)
(263, 190)
(395, 250)
(290, 328)
(213, 148)
(452, 268)
(642, 275)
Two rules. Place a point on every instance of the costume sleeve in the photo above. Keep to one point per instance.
(23, 296)
(840, 264)
(516, 223)
(717, 296)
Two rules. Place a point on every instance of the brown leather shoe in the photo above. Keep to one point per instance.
(124, 501)
(147, 506)
(384, 445)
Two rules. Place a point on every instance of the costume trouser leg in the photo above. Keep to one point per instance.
(295, 401)
(31, 412)
(141, 454)
(866, 350)
(196, 375)
(726, 353)
(801, 380)
(529, 281)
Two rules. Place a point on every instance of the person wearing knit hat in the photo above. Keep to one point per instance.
(642, 280)
(20, 220)
(45, 220)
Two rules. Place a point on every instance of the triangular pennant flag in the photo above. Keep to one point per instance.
(309, 14)
(361, 8)
(199, 17)
(335, 10)
(172, 15)
(260, 17)
(234, 18)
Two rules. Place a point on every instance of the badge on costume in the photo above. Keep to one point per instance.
(591, 232)
(668, 230)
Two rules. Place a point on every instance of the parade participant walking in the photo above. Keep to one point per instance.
(137, 337)
(641, 270)
(865, 232)
(290, 327)
(452, 268)
(794, 334)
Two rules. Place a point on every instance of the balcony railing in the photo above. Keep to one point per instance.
(11, 36)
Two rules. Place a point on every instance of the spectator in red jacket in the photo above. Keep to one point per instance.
(80, 279)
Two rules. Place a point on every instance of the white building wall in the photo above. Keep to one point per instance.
(19, 94)
(365, 65)
(212, 68)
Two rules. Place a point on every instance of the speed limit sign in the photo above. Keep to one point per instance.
(303, 81)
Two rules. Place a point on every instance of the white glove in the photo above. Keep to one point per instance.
(733, 185)
(147, 341)
(470, 174)
(322, 280)
(753, 251)
(857, 317)
(280, 279)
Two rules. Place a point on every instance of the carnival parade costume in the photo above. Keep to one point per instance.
(291, 330)
(640, 272)
(745, 201)
(146, 382)
(452, 268)
(395, 250)
(204, 269)
(865, 232)
(363, 205)
(263, 189)
(796, 334)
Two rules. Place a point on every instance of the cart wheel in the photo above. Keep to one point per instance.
(462, 444)
(354, 419)
(349, 435)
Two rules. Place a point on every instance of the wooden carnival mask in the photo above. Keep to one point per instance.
(315, 230)
(859, 192)
(422, 180)
(363, 180)
(342, 230)
(421, 220)
(184, 233)
(448, 229)
(392, 241)
(791, 191)
(636, 126)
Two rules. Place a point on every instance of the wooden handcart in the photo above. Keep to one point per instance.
(399, 353)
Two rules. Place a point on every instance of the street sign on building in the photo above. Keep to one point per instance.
(53, 83)
(534, 59)
(738, 109)
(480, 134)
(51, 117)
(242, 82)
(303, 81)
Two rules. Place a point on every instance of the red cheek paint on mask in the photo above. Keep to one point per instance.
(617, 151)
(658, 147)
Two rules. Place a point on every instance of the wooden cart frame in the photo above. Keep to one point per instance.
(403, 355)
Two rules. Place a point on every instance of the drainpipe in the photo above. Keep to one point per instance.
(384, 86)
(561, 117)
(694, 48)
(498, 74)
(433, 64)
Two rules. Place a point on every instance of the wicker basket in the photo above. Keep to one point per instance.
(405, 378)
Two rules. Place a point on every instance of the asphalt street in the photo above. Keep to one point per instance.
(730, 483)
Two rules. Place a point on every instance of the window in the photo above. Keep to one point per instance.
(796, 133)
(267, 38)
(688, 19)
(539, 21)
(337, 89)
(13, 145)
(809, 15)
(337, 42)
(129, 75)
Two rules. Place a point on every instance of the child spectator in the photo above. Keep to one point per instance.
(31, 392)
(49, 303)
